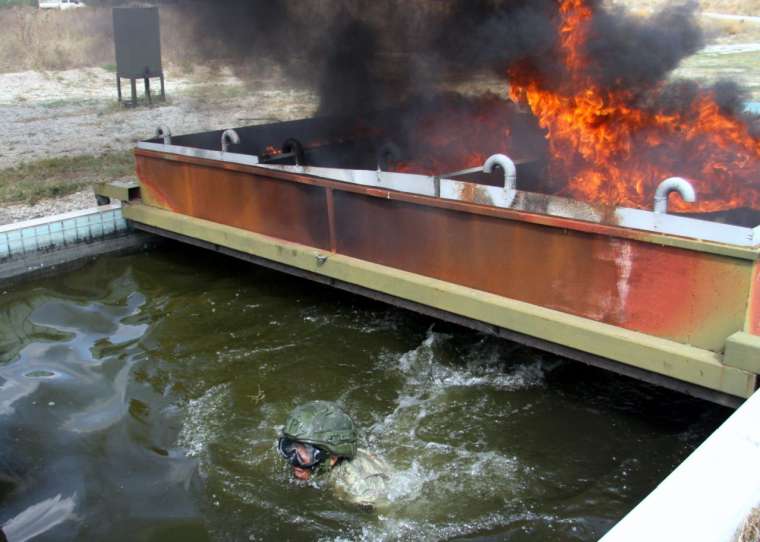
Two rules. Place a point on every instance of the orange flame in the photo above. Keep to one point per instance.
(614, 153)
(459, 134)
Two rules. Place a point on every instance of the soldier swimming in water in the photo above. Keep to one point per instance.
(319, 440)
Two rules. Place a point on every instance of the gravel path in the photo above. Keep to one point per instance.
(729, 17)
(75, 112)
(72, 202)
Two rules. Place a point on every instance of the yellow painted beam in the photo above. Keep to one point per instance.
(118, 190)
(743, 352)
(669, 358)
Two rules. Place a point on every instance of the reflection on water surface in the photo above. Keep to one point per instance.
(142, 396)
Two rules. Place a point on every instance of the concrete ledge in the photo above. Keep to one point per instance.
(708, 497)
(118, 190)
(41, 246)
(743, 352)
(57, 231)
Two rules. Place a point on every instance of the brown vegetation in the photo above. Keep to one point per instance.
(33, 39)
(55, 177)
(50, 40)
(40, 40)
(736, 7)
(750, 531)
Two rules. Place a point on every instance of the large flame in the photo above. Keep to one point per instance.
(454, 133)
(612, 152)
(607, 146)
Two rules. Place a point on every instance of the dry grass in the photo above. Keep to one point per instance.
(42, 40)
(739, 7)
(55, 177)
(750, 531)
(736, 7)
(51, 40)
(33, 39)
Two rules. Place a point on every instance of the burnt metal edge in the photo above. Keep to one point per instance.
(530, 217)
(650, 377)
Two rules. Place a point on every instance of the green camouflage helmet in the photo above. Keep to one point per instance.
(325, 425)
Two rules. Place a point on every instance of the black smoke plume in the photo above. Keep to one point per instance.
(362, 55)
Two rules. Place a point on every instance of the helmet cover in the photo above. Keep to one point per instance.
(325, 425)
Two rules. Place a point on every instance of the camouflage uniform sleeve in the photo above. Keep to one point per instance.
(363, 480)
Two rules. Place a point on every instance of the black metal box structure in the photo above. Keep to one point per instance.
(137, 43)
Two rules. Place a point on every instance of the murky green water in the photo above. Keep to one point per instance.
(145, 393)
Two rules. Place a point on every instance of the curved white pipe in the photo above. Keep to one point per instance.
(510, 174)
(164, 132)
(388, 151)
(229, 137)
(673, 184)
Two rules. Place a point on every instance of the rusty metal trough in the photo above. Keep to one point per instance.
(669, 299)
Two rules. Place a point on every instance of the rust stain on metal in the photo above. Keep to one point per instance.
(475, 193)
(601, 272)
(471, 208)
(290, 211)
(753, 309)
(331, 218)
(658, 290)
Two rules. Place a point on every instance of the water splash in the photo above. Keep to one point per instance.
(204, 420)
(433, 470)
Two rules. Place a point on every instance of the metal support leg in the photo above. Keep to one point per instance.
(118, 87)
(163, 91)
(147, 90)
(133, 84)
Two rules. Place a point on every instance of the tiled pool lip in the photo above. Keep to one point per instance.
(708, 496)
(35, 247)
(59, 217)
(59, 231)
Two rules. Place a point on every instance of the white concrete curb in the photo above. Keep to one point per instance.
(709, 496)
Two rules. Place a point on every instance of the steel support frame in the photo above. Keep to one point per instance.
(133, 88)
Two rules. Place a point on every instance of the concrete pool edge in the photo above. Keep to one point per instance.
(702, 372)
(709, 495)
(39, 247)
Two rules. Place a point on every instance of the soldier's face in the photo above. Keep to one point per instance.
(305, 457)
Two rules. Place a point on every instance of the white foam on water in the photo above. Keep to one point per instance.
(397, 529)
(405, 485)
(432, 473)
(203, 420)
(483, 366)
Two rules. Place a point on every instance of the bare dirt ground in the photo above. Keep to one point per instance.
(21, 212)
(74, 112)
